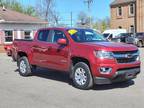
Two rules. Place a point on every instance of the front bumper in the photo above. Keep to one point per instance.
(120, 75)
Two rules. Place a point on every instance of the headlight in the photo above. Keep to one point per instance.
(104, 54)
(138, 55)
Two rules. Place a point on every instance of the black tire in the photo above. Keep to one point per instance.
(140, 44)
(88, 83)
(24, 67)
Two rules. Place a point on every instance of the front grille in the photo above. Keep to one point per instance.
(126, 56)
(124, 60)
(125, 52)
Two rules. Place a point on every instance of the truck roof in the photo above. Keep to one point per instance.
(65, 28)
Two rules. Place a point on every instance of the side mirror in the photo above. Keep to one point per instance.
(62, 41)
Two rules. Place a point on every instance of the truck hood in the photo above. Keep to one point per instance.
(111, 46)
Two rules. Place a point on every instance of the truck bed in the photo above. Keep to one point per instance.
(23, 40)
(22, 44)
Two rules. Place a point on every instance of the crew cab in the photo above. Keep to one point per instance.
(84, 54)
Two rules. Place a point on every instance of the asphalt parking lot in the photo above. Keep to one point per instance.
(48, 89)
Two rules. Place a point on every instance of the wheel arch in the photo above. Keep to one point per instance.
(75, 60)
(21, 54)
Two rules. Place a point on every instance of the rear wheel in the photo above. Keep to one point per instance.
(82, 77)
(24, 67)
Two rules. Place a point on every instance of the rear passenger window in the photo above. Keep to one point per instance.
(43, 35)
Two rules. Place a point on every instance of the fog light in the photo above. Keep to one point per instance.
(105, 70)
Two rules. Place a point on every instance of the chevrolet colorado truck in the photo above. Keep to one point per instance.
(84, 54)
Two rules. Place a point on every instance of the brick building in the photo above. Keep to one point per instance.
(128, 14)
(15, 25)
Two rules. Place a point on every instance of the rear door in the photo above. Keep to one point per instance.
(41, 49)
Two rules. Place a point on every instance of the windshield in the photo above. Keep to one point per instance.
(85, 35)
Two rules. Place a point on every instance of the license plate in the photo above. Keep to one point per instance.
(130, 75)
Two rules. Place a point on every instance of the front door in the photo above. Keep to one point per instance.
(58, 55)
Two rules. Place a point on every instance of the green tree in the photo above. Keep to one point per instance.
(30, 11)
(96, 26)
(17, 6)
(102, 24)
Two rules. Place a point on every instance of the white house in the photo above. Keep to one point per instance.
(15, 25)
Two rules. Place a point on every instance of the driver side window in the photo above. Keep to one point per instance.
(57, 35)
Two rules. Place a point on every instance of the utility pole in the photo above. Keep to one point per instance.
(89, 2)
(71, 19)
(135, 17)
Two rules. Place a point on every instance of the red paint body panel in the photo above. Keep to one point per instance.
(53, 56)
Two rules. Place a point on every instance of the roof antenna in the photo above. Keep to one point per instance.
(3, 8)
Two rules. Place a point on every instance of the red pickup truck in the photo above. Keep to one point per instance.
(85, 54)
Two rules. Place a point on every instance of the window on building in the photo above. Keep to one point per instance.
(132, 29)
(8, 36)
(131, 9)
(119, 11)
(27, 34)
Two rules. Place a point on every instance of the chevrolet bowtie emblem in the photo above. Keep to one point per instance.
(128, 56)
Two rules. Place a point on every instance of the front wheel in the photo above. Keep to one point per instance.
(24, 67)
(82, 77)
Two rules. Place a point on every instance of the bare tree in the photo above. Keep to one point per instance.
(89, 4)
(45, 9)
(83, 20)
(56, 17)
